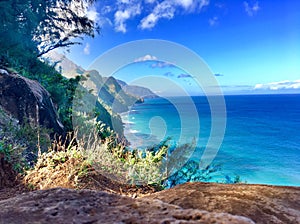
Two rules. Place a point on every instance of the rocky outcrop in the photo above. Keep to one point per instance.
(187, 203)
(85, 206)
(261, 203)
(27, 101)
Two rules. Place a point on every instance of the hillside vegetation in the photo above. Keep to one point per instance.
(87, 105)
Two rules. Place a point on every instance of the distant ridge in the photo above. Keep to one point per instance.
(70, 70)
(139, 91)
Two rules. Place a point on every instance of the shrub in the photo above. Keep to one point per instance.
(191, 172)
(13, 154)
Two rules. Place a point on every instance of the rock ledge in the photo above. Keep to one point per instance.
(85, 206)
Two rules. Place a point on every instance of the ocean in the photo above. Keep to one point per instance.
(262, 134)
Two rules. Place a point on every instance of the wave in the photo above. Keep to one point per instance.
(127, 122)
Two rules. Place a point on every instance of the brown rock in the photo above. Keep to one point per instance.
(261, 203)
(86, 206)
(27, 100)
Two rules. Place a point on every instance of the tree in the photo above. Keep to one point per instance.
(63, 21)
(31, 28)
(35, 27)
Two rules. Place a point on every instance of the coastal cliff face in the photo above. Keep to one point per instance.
(139, 91)
(111, 90)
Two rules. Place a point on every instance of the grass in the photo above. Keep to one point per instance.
(80, 157)
(128, 166)
(162, 165)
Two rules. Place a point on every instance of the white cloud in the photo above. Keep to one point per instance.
(106, 9)
(161, 64)
(259, 86)
(149, 21)
(120, 18)
(152, 10)
(185, 3)
(105, 21)
(282, 85)
(147, 57)
(163, 10)
(213, 21)
(167, 10)
(251, 9)
(92, 14)
(103, 18)
(127, 10)
(87, 49)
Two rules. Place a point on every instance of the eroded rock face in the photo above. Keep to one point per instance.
(26, 100)
(261, 203)
(86, 206)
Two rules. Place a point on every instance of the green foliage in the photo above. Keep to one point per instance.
(31, 28)
(155, 165)
(52, 158)
(6, 150)
(111, 120)
(233, 180)
(104, 132)
(36, 27)
(30, 186)
(33, 136)
(190, 172)
(28, 29)
(13, 154)
(23, 142)
(84, 168)
(60, 88)
(84, 100)
(146, 168)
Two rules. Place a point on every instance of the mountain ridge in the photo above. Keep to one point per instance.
(69, 69)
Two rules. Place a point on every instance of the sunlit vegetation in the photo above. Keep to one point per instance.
(28, 30)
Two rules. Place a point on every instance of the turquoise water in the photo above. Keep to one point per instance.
(262, 136)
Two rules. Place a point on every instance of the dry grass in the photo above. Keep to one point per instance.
(72, 165)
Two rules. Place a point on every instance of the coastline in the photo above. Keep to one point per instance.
(256, 137)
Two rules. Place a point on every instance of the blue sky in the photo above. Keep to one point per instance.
(254, 46)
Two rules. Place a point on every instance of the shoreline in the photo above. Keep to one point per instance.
(241, 149)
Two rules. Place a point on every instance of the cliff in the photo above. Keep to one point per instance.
(70, 70)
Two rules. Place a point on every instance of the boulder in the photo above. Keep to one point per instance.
(27, 101)
(261, 203)
(86, 206)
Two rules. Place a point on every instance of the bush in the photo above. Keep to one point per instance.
(163, 165)
(13, 154)
(23, 141)
(115, 159)
(191, 172)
